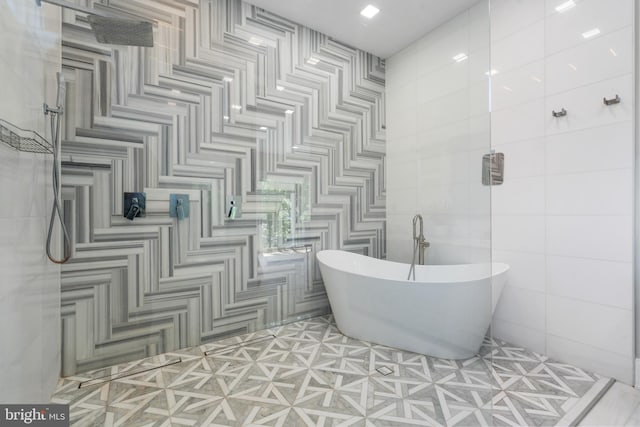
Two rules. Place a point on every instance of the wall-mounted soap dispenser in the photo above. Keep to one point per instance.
(233, 207)
(134, 205)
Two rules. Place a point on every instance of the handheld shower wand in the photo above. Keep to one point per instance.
(419, 245)
(55, 119)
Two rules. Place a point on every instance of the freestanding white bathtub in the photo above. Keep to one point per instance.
(445, 313)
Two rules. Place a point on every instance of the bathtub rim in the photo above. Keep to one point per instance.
(497, 268)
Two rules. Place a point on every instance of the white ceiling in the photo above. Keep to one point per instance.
(399, 22)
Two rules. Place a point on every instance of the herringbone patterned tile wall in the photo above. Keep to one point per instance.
(231, 100)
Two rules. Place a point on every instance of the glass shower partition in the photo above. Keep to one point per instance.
(270, 133)
(286, 142)
(439, 142)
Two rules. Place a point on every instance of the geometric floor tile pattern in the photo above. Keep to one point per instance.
(309, 374)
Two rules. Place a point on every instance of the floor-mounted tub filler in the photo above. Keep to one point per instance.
(444, 313)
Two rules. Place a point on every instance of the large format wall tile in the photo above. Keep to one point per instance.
(232, 100)
(512, 88)
(562, 217)
(603, 58)
(565, 27)
(441, 116)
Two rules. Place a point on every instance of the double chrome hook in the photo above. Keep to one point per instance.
(612, 101)
(606, 101)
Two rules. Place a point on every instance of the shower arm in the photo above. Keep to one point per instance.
(112, 26)
(73, 6)
(67, 4)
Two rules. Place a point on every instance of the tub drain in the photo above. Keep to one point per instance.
(384, 370)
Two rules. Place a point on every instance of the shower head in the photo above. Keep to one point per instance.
(121, 31)
(109, 29)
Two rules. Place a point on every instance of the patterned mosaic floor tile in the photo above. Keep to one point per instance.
(308, 373)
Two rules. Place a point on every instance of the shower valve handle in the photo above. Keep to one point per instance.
(134, 209)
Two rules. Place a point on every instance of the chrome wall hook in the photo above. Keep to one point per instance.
(612, 101)
(560, 113)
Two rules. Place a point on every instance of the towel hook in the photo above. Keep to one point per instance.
(560, 113)
(611, 101)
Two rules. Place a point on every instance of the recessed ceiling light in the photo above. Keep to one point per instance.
(491, 72)
(263, 128)
(236, 107)
(280, 87)
(227, 79)
(591, 33)
(255, 41)
(460, 57)
(288, 112)
(313, 61)
(565, 6)
(370, 11)
(225, 117)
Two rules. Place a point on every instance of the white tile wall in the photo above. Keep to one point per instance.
(532, 339)
(563, 217)
(512, 88)
(508, 16)
(526, 269)
(564, 30)
(452, 77)
(596, 325)
(526, 158)
(590, 193)
(601, 148)
(440, 117)
(522, 307)
(589, 357)
(583, 279)
(522, 233)
(569, 239)
(30, 291)
(437, 49)
(524, 121)
(598, 237)
(438, 112)
(520, 196)
(507, 53)
(604, 57)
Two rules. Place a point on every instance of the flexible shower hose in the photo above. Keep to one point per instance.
(55, 210)
(413, 261)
